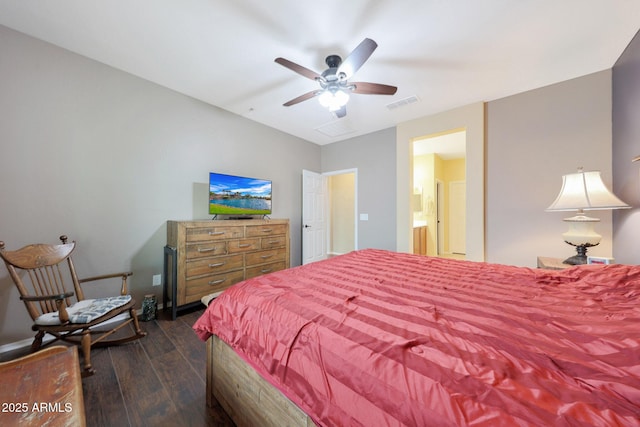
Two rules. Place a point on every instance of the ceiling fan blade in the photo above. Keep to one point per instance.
(301, 98)
(372, 88)
(298, 69)
(341, 112)
(359, 56)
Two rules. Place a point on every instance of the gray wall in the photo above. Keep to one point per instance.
(107, 158)
(626, 146)
(374, 157)
(534, 138)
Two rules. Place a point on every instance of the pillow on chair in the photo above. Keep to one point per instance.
(85, 311)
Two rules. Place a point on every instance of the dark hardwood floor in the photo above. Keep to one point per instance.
(159, 380)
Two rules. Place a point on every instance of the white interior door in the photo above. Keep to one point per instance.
(457, 219)
(314, 212)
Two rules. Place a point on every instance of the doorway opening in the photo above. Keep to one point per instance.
(439, 179)
(343, 204)
(329, 214)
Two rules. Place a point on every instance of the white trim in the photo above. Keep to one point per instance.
(22, 344)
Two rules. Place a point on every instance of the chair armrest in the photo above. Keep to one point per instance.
(60, 305)
(47, 297)
(124, 275)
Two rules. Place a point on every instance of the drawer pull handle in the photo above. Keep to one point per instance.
(266, 270)
(206, 249)
(244, 245)
(217, 282)
(266, 256)
(216, 233)
(218, 264)
(267, 230)
(274, 242)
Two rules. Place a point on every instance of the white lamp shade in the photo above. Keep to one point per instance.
(585, 191)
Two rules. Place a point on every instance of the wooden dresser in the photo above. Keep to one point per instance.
(206, 257)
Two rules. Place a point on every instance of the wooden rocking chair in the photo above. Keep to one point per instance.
(47, 281)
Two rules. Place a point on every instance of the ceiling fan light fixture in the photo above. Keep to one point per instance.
(333, 99)
(334, 81)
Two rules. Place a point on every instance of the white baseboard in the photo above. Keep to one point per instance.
(19, 346)
(335, 253)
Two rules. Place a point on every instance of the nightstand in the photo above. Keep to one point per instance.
(552, 263)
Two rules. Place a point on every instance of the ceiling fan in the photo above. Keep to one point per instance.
(334, 85)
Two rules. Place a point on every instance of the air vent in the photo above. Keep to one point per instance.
(402, 102)
(336, 128)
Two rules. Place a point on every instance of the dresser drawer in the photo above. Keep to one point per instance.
(262, 257)
(264, 269)
(213, 233)
(212, 248)
(266, 230)
(243, 245)
(197, 288)
(214, 265)
(273, 242)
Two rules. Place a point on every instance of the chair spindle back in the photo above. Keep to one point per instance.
(41, 269)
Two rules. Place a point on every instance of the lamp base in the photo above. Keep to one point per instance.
(581, 256)
(576, 260)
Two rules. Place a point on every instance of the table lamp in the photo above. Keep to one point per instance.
(580, 192)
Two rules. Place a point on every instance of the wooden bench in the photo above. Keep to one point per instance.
(42, 388)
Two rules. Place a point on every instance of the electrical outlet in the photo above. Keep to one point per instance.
(157, 279)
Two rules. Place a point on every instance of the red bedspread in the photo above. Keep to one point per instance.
(378, 338)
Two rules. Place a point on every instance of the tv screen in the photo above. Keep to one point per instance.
(238, 195)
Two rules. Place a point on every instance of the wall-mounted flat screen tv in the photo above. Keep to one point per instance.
(238, 195)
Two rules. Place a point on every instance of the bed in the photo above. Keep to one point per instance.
(380, 338)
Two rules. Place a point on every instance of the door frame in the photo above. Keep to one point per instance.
(472, 119)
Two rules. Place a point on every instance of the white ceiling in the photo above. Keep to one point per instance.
(447, 53)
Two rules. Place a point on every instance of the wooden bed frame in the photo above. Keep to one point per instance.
(248, 399)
